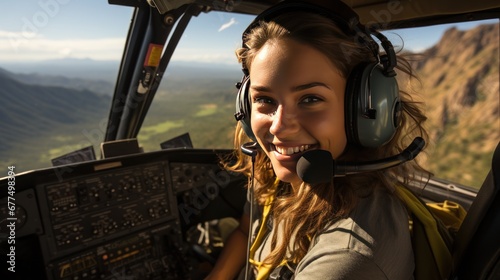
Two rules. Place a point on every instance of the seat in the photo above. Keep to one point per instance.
(476, 249)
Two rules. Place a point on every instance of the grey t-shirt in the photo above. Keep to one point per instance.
(372, 243)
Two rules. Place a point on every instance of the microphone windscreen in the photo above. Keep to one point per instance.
(315, 167)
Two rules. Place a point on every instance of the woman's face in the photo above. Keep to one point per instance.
(297, 100)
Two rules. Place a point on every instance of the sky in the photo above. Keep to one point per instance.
(34, 30)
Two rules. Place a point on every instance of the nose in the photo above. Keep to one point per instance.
(284, 122)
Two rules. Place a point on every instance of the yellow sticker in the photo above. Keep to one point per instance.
(154, 55)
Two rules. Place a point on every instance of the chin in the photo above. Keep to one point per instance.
(286, 171)
(286, 175)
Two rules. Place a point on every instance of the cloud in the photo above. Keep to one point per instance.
(226, 25)
(16, 47)
(208, 56)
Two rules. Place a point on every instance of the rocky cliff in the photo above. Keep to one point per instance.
(460, 86)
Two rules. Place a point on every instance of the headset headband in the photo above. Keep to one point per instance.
(340, 13)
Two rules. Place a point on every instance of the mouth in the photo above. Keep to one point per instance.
(288, 151)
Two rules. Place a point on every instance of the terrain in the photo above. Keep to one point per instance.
(460, 86)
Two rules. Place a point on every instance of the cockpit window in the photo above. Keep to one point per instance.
(459, 87)
(458, 68)
(197, 93)
(58, 66)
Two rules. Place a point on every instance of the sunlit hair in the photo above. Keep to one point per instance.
(305, 211)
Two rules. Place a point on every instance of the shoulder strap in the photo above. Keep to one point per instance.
(432, 235)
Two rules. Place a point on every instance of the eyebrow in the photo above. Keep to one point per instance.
(296, 88)
(310, 85)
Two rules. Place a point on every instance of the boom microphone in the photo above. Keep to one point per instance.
(317, 166)
(250, 148)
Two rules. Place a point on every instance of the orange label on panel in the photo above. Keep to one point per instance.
(154, 55)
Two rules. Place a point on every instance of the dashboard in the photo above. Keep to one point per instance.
(127, 217)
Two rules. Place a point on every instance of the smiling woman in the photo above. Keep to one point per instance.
(295, 86)
(70, 73)
(313, 85)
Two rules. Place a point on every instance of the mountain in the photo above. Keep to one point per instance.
(87, 69)
(100, 76)
(33, 111)
(107, 71)
(466, 122)
(97, 86)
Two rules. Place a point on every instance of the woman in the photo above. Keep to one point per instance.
(300, 63)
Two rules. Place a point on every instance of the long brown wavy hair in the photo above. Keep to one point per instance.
(305, 211)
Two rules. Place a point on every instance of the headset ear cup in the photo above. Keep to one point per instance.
(243, 107)
(368, 86)
(351, 97)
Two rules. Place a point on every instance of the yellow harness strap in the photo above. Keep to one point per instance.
(264, 270)
(451, 213)
(437, 245)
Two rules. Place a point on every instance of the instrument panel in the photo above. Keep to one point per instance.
(119, 217)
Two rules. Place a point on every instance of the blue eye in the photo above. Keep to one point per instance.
(264, 104)
(311, 99)
(262, 100)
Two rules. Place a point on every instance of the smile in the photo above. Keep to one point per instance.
(291, 150)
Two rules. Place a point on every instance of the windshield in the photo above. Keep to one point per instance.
(197, 92)
(58, 66)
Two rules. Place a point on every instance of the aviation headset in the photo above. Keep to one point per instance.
(372, 104)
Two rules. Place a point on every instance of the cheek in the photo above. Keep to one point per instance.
(260, 124)
(340, 144)
(332, 134)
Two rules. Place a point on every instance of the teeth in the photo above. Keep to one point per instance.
(291, 150)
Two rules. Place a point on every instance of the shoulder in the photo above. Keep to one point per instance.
(379, 218)
(380, 213)
(338, 264)
(375, 236)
